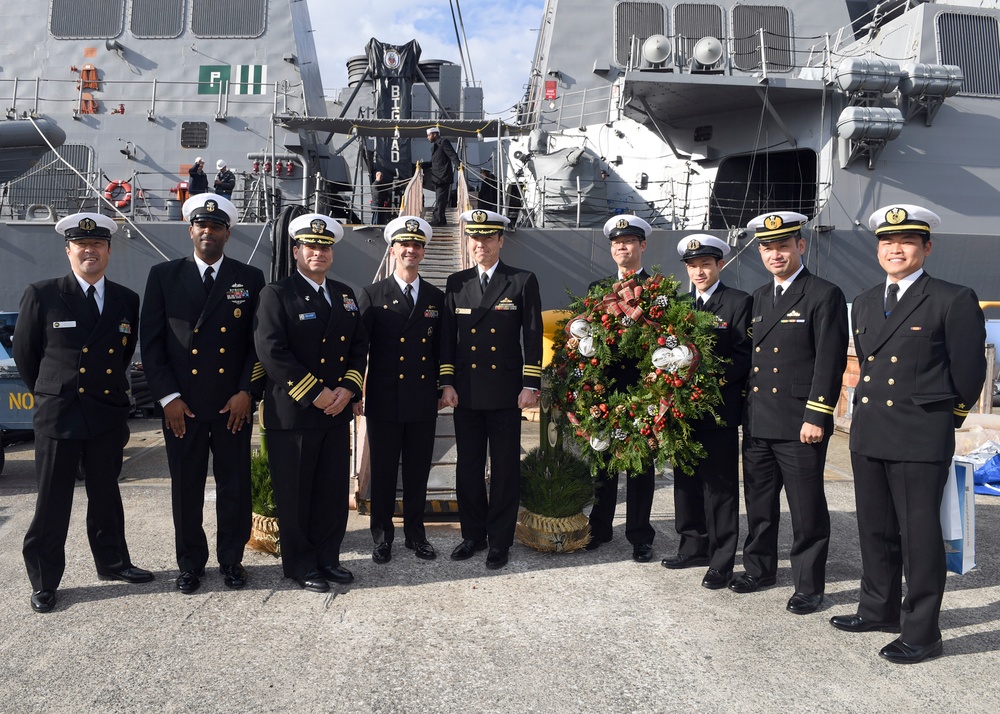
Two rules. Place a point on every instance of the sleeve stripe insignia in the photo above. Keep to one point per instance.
(302, 388)
(816, 406)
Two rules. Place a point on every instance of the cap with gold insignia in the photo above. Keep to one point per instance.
(626, 224)
(81, 226)
(778, 225)
(483, 223)
(903, 218)
(702, 244)
(209, 207)
(315, 229)
(408, 228)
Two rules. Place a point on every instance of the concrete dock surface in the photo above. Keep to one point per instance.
(579, 632)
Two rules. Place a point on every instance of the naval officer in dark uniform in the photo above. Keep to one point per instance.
(920, 346)
(311, 342)
(627, 235)
(199, 358)
(402, 317)
(442, 173)
(707, 503)
(799, 327)
(73, 343)
(491, 369)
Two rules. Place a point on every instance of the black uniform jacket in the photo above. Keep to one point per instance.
(77, 370)
(799, 356)
(482, 335)
(921, 370)
(201, 348)
(442, 156)
(302, 353)
(732, 309)
(403, 351)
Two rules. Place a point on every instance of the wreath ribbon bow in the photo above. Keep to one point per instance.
(623, 300)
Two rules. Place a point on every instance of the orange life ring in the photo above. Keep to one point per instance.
(111, 188)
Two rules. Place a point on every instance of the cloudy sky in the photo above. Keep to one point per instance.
(501, 38)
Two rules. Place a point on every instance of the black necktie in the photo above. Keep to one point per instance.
(486, 282)
(209, 280)
(777, 294)
(891, 298)
(92, 303)
(324, 306)
(700, 303)
(408, 294)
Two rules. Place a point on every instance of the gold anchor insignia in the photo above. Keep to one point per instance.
(210, 206)
(895, 216)
(622, 223)
(318, 226)
(773, 223)
(694, 244)
(479, 217)
(412, 226)
(87, 224)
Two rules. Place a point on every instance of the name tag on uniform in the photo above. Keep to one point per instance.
(307, 315)
(463, 310)
(759, 318)
(63, 325)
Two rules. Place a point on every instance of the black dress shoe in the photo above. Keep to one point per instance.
(313, 582)
(715, 580)
(898, 652)
(497, 558)
(236, 575)
(804, 603)
(43, 600)
(382, 553)
(642, 552)
(676, 562)
(188, 581)
(467, 548)
(422, 549)
(130, 574)
(749, 583)
(856, 623)
(337, 573)
(595, 542)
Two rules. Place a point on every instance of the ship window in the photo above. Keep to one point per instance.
(157, 19)
(194, 134)
(973, 43)
(641, 19)
(87, 19)
(228, 18)
(747, 186)
(748, 20)
(692, 21)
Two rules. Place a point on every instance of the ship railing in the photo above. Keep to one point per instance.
(221, 96)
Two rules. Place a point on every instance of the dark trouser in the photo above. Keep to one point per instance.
(898, 506)
(188, 462)
(310, 472)
(492, 516)
(638, 506)
(442, 197)
(414, 441)
(707, 503)
(769, 464)
(57, 462)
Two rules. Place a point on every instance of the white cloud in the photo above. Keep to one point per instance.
(501, 39)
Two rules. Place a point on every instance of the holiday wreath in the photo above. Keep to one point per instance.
(623, 427)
